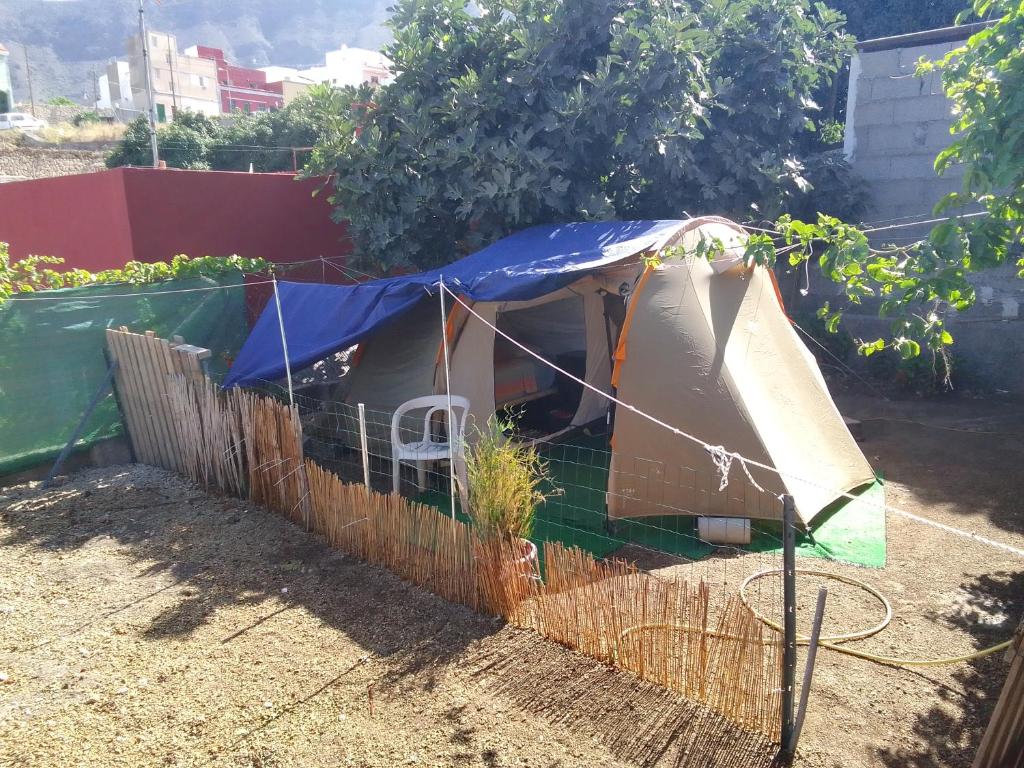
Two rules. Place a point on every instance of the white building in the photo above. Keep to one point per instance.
(114, 90)
(345, 66)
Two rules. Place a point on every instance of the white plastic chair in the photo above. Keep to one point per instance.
(429, 449)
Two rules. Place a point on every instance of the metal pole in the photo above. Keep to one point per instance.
(149, 86)
(812, 654)
(28, 76)
(788, 619)
(96, 399)
(284, 344)
(448, 389)
(362, 446)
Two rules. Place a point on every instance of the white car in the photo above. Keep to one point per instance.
(20, 120)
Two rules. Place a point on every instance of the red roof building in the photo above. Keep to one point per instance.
(241, 88)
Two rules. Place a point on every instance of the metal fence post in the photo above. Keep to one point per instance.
(362, 446)
(812, 654)
(788, 621)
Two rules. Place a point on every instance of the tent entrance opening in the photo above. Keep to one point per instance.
(545, 400)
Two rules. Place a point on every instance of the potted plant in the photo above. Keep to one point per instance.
(507, 479)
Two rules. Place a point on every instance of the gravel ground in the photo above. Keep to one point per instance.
(143, 622)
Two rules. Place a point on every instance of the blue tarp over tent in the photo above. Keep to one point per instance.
(320, 320)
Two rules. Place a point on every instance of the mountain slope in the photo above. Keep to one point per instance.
(66, 39)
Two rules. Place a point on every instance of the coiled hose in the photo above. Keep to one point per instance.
(831, 642)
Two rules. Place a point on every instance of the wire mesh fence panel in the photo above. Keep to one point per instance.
(52, 359)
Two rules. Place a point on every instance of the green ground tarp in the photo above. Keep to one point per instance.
(851, 530)
(52, 354)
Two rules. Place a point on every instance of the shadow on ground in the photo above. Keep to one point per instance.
(961, 718)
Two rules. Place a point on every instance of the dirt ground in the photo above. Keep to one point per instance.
(143, 622)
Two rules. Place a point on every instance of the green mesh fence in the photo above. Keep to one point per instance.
(52, 359)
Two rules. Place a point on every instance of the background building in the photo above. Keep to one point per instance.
(345, 66)
(179, 81)
(114, 90)
(240, 88)
(6, 91)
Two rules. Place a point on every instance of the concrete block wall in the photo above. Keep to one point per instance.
(897, 123)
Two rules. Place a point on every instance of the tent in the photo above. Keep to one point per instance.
(703, 345)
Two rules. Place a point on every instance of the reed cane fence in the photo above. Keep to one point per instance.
(684, 634)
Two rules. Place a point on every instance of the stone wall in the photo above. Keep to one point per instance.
(897, 123)
(17, 162)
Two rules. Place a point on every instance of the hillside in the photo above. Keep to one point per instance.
(67, 39)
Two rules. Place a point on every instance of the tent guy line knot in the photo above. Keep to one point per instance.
(723, 459)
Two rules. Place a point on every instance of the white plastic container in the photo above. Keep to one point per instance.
(724, 530)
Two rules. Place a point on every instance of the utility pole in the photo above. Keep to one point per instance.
(149, 85)
(28, 76)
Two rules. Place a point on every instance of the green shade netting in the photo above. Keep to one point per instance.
(849, 530)
(52, 360)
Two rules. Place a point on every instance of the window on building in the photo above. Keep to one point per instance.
(161, 113)
(202, 82)
(247, 106)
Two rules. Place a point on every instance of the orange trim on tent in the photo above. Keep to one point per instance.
(356, 357)
(457, 317)
(620, 349)
(778, 292)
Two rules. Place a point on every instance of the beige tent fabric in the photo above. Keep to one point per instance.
(396, 365)
(599, 369)
(714, 354)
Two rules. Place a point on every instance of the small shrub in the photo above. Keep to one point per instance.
(505, 480)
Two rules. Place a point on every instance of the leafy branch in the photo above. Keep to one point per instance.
(35, 273)
(919, 284)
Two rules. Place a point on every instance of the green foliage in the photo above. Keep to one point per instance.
(506, 478)
(61, 101)
(262, 139)
(33, 273)
(186, 142)
(86, 118)
(5, 102)
(526, 113)
(134, 147)
(919, 283)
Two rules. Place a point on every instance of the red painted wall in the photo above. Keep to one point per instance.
(102, 220)
(82, 218)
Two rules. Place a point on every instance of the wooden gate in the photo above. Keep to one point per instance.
(145, 364)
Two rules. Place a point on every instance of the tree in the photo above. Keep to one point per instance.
(919, 284)
(516, 113)
(262, 139)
